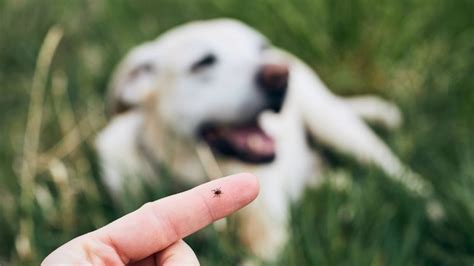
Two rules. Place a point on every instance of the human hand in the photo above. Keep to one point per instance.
(152, 235)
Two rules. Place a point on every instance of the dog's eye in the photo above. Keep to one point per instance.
(207, 61)
(144, 68)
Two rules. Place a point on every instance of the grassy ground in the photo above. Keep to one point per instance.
(420, 54)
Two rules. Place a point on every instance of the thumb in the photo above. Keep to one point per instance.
(178, 253)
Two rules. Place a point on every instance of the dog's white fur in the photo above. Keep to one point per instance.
(168, 103)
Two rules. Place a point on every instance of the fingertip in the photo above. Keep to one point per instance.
(249, 186)
(253, 183)
(235, 192)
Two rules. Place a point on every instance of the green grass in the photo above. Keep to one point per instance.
(419, 54)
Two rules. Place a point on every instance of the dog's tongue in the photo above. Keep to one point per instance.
(251, 141)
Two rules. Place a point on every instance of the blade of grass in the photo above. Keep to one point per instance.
(31, 141)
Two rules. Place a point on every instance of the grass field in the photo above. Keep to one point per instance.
(419, 54)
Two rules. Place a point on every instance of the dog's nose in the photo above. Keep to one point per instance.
(273, 78)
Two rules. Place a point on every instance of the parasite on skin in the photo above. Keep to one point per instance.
(217, 192)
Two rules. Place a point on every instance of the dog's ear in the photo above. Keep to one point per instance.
(133, 81)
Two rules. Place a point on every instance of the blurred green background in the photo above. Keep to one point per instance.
(419, 54)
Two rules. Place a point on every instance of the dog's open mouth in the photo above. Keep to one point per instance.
(247, 142)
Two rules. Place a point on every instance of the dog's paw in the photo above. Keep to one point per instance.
(376, 110)
(391, 116)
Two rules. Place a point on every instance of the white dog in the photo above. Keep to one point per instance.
(214, 98)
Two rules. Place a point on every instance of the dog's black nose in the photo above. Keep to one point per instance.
(273, 78)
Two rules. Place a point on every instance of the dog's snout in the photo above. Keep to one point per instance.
(273, 78)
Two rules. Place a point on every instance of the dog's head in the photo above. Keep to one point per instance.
(208, 80)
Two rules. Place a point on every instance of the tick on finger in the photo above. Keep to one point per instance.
(217, 192)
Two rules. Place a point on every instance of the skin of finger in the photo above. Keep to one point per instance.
(178, 253)
(84, 250)
(159, 224)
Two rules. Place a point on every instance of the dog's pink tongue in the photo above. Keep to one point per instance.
(252, 140)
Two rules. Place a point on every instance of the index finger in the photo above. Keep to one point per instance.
(158, 224)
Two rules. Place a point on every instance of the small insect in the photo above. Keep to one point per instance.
(217, 192)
